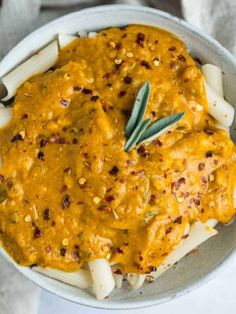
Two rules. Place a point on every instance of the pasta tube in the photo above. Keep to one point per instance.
(81, 279)
(118, 276)
(38, 63)
(92, 34)
(65, 39)
(220, 109)
(213, 77)
(199, 233)
(103, 281)
(136, 280)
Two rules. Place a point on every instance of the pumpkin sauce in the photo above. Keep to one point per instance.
(69, 191)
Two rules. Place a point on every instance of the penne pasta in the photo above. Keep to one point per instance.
(103, 281)
(81, 279)
(82, 33)
(65, 39)
(212, 222)
(5, 115)
(92, 34)
(199, 233)
(136, 280)
(220, 109)
(38, 63)
(118, 276)
(213, 77)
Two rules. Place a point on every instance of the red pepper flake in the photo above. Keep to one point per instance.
(65, 202)
(65, 102)
(179, 182)
(37, 232)
(63, 251)
(185, 236)
(63, 189)
(126, 113)
(24, 116)
(129, 162)
(119, 250)
(41, 155)
(77, 88)
(53, 224)
(196, 201)
(60, 140)
(86, 91)
(118, 272)
(168, 230)
(114, 171)
(109, 198)
(209, 132)
(75, 141)
(157, 142)
(209, 154)
(201, 166)
(204, 180)
(16, 138)
(122, 93)
(178, 220)
(127, 79)
(140, 39)
(43, 142)
(145, 64)
(143, 152)
(67, 170)
(118, 46)
(105, 208)
(181, 58)
(172, 48)
(2, 178)
(172, 64)
(94, 98)
(153, 198)
(46, 214)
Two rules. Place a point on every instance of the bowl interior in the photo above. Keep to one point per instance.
(196, 268)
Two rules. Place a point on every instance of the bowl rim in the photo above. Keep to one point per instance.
(197, 282)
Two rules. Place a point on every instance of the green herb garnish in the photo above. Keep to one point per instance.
(137, 130)
(159, 127)
(136, 135)
(139, 109)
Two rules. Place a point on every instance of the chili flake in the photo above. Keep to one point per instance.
(37, 232)
(145, 64)
(114, 171)
(17, 137)
(65, 202)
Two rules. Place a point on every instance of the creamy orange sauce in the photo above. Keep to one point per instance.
(69, 191)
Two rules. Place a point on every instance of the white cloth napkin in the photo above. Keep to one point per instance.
(20, 17)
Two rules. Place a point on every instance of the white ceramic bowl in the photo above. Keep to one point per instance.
(195, 269)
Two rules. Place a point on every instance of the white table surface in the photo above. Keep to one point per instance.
(216, 297)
